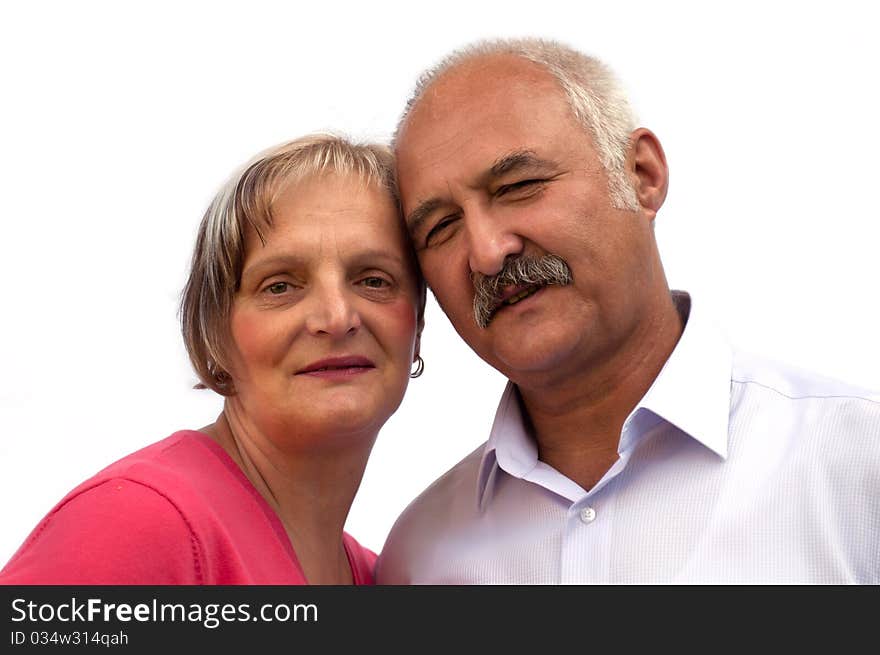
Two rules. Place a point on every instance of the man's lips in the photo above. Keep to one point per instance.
(514, 294)
(337, 365)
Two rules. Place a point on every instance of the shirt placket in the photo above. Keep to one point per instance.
(586, 544)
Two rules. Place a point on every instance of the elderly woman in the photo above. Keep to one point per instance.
(303, 309)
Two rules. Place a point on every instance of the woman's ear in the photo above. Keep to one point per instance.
(646, 163)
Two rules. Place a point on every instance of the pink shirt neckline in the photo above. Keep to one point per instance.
(218, 451)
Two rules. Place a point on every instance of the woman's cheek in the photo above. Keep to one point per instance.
(401, 320)
(257, 337)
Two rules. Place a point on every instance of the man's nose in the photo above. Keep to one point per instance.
(333, 311)
(491, 240)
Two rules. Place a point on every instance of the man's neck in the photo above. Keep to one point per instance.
(577, 422)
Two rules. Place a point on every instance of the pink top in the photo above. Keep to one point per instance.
(177, 512)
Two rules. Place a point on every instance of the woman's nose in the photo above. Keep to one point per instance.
(332, 311)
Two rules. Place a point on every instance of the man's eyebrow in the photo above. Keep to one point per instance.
(418, 215)
(517, 160)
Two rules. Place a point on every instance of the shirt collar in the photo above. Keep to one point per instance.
(509, 446)
(691, 392)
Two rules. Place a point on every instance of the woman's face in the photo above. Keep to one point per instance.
(324, 325)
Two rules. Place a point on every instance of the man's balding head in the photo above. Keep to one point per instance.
(594, 94)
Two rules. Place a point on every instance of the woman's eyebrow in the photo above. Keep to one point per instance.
(374, 254)
(275, 261)
(297, 261)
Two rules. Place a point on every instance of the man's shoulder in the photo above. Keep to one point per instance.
(790, 382)
(449, 502)
(819, 420)
(457, 485)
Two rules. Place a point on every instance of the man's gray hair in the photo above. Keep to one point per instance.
(595, 95)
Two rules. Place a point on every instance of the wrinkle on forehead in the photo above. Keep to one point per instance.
(477, 75)
(471, 99)
(314, 226)
(315, 216)
(493, 78)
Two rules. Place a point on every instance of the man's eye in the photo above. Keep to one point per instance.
(523, 185)
(437, 233)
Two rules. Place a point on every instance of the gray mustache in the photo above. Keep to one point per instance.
(525, 270)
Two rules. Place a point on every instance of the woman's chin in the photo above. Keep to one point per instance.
(314, 418)
(346, 415)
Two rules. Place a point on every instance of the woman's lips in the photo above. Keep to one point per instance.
(338, 367)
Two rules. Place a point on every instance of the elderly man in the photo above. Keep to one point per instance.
(632, 444)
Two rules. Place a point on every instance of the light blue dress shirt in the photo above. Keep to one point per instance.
(732, 470)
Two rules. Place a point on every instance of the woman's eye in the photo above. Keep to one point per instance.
(277, 288)
(374, 282)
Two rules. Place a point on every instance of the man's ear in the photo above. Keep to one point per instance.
(646, 163)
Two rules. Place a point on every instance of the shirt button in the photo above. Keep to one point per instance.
(588, 515)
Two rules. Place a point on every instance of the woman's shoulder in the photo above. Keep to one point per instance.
(183, 453)
(134, 522)
(189, 469)
(112, 531)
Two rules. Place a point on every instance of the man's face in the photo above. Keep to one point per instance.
(493, 165)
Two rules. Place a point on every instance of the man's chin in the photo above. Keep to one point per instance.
(538, 356)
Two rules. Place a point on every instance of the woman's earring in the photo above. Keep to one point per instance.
(420, 367)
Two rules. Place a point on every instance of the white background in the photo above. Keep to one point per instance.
(119, 120)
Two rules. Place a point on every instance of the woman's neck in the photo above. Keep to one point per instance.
(309, 487)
